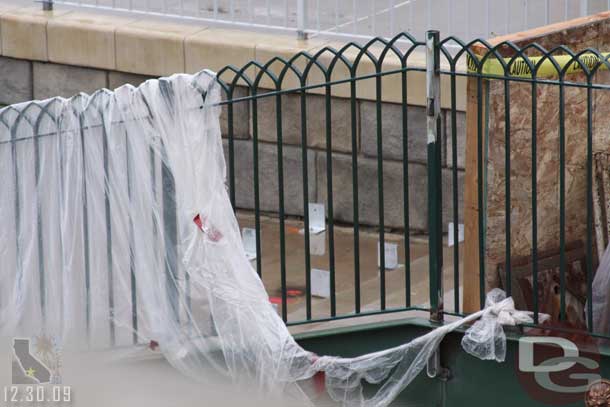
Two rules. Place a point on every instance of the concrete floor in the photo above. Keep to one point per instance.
(344, 269)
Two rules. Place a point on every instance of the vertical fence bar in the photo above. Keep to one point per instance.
(373, 17)
(39, 232)
(433, 125)
(280, 183)
(286, 11)
(61, 215)
(428, 15)
(405, 189)
(336, 14)
(507, 191)
(354, 18)
(302, 19)
(257, 209)
(231, 142)
(534, 187)
(507, 20)
(329, 199)
(450, 13)
(155, 203)
(109, 257)
(487, 19)
(410, 29)
(589, 204)
(170, 235)
(318, 27)
(354, 119)
(562, 204)
(132, 269)
(379, 130)
(86, 248)
(392, 16)
(305, 199)
(17, 203)
(584, 8)
(480, 174)
(455, 202)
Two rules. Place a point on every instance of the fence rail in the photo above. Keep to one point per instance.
(363, 19)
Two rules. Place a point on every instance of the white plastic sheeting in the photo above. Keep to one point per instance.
(99, 246)
(601, 298)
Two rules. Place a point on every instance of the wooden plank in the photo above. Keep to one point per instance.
(471, 301)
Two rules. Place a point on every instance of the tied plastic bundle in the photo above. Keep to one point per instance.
(116, 229)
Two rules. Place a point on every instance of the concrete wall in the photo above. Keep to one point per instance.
(61, 53)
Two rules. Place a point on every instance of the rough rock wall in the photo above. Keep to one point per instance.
(579, 34)
(547, 165)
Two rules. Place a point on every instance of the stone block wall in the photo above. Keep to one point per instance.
(367, 159)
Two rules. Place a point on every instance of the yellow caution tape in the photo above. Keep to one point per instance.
(520, 68)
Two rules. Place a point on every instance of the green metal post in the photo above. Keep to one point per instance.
(435, 249)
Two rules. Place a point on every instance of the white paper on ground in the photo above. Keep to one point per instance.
(320, 283)
(450, 233)
(391, 256)
(248, 236)
(317, 218)
(317, 244)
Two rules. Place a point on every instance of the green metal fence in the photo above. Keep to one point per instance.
(478, 61)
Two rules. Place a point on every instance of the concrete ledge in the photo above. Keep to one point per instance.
(84, 39)
(24, 32)
(152, 47)
(214, 49)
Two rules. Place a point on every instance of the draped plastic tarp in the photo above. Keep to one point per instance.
(116, 228)
(601, 299)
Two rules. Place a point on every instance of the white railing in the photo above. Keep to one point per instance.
(360, 19)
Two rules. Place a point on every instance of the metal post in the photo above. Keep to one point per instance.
(584, 8)
(302, 19)
(47, 5)
(433, 93)
(435, 228)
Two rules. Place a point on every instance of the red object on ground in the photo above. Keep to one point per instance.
(278, 300)
(294, 292)
(153, 345)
